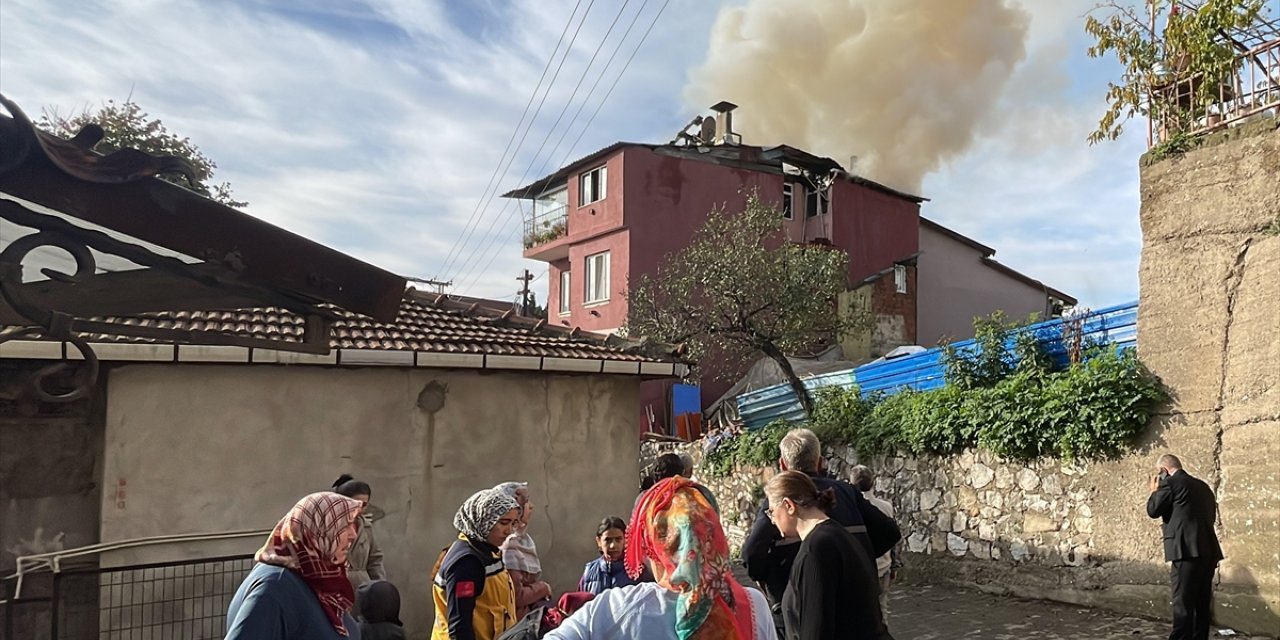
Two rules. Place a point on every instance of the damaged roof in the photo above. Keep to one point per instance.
(769, 159)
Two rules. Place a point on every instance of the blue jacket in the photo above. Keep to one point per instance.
(274, 603)
(601, 574)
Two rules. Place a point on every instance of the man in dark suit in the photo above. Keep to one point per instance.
(1188, 509)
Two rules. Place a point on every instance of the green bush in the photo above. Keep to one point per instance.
(1007, 401)
(1095, 409)
(752, 449)
(1107, 402)
(837, 413)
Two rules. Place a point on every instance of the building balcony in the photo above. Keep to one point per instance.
(545, 235)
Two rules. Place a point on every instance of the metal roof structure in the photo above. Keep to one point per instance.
(90, 241)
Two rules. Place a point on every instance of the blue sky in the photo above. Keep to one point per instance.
(375, 126)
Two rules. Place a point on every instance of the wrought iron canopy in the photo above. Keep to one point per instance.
(90, 242)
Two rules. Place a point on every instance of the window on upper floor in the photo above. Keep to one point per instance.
(900, 278)
(564, 292)
(787, 189)
(597, 278)
(591, 185)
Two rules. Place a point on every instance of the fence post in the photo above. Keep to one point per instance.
(55, 606)
(8, 612)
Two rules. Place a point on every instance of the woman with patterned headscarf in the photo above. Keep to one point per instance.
(473, 594)
(676, 530)
(299, 589)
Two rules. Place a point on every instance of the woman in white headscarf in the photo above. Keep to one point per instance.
(520, 554)
(473, 594)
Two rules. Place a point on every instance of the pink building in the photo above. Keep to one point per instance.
(618, 212)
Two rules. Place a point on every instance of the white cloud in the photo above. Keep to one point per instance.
(374, 127)
(1054, 207)
(378, 146)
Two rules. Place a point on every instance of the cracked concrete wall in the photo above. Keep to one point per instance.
(204, 448)
(1209, 327)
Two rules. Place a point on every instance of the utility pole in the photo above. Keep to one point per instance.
(438, 285)
(524, 291)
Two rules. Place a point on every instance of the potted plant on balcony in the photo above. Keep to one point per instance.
(1177, 61)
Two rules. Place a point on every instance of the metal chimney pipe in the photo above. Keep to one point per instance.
(725, 109)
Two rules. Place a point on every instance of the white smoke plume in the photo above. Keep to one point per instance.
(904, 85)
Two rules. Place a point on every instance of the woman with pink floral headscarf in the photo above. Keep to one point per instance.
(676, 530)
(299, 588)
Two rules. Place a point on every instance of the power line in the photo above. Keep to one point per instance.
(609, 93)
(477, 214)
(493, 224)
(581, 77)
(613, 86)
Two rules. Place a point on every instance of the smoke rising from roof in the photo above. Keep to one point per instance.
(904, 85)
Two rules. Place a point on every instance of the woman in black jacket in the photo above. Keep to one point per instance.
(833, 593)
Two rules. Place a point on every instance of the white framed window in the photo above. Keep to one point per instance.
(597, 278)
(900, 278)
(786, 200)
(564, 293)
(591, 185)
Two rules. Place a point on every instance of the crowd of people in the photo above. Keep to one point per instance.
(667, 573)
(822, 551)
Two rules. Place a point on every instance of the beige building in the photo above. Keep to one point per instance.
(448, 399)
(959, 279)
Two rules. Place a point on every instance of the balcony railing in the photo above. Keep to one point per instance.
(546, 226)
(1253, 88)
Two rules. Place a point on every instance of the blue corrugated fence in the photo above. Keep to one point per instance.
(1116, 325)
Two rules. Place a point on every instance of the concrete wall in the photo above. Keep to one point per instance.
(1210, 282)
(956, 286)
(50, 471)
(214, 448)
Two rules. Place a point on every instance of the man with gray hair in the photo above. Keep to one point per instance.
(887, 564)
(768, 556)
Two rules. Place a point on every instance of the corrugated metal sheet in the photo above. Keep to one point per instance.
(1116, 325)
(779, 402)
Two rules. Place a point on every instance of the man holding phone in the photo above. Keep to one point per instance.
(1188, 508)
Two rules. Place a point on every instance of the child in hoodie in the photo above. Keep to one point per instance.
(378, 604)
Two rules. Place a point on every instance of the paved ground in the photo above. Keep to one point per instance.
(927, 612)
(923, 612)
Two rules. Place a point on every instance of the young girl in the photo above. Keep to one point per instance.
(608, 571)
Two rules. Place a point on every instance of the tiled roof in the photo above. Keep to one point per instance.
(427, 323)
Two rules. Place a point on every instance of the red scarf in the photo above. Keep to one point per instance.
(306, 541)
